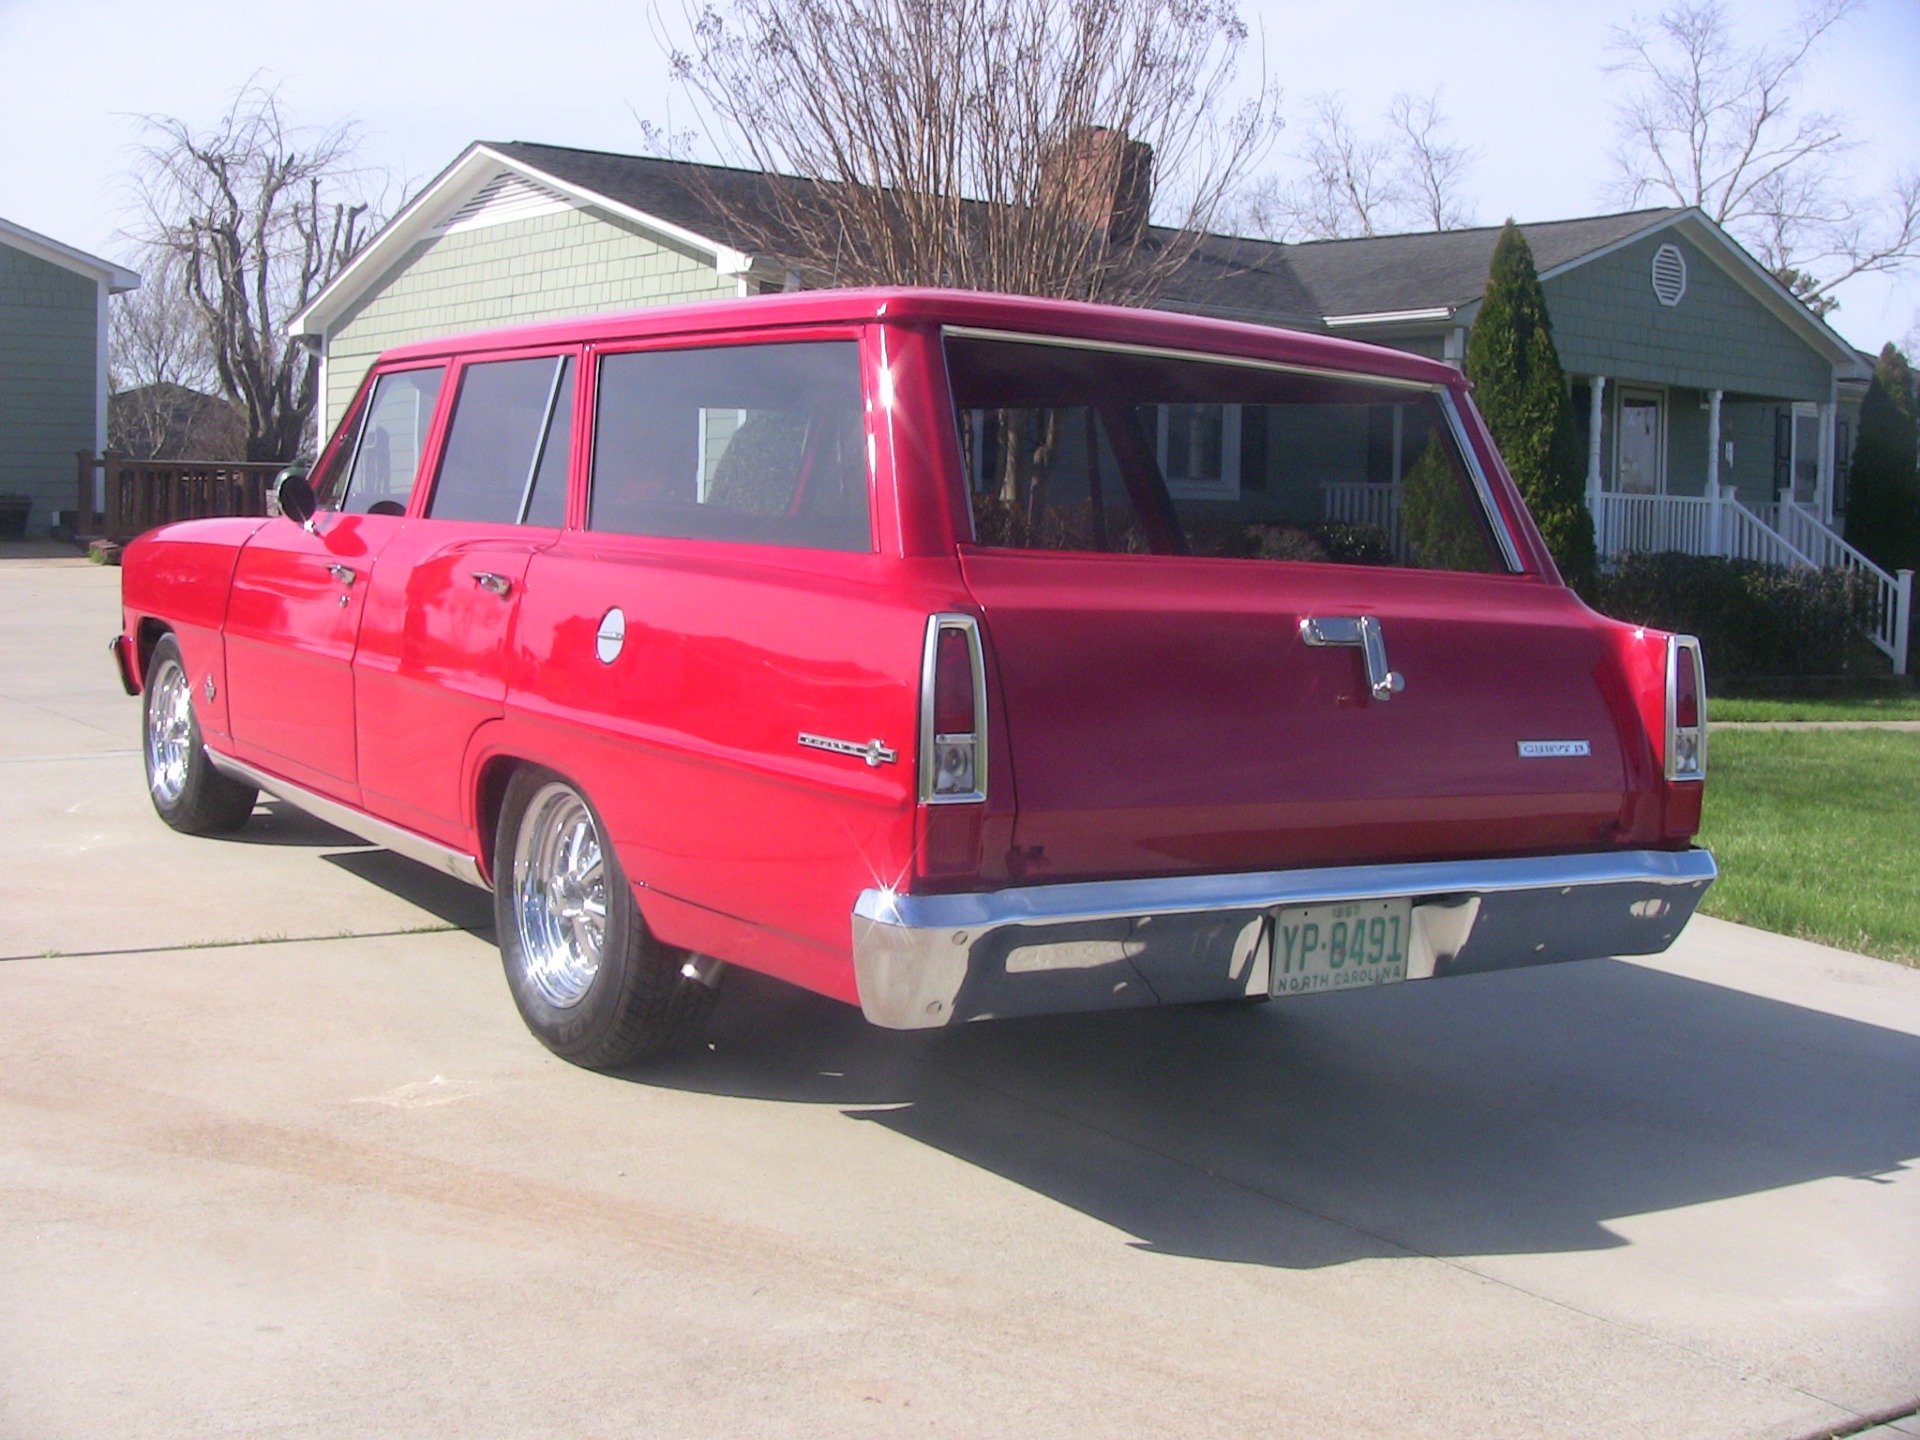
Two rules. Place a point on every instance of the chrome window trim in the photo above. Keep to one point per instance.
(1202, 357)
(929, 665)
(546, 434)
(1496, 521)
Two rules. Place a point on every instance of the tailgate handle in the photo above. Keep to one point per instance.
(1362, 633)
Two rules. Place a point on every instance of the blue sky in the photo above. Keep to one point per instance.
(1522, 82)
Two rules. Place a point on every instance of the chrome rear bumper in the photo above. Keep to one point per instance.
(929, 960)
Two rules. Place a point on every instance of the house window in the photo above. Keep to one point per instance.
(1200, 450)
(1806, 453)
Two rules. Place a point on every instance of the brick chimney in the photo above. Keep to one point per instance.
(1107, 180)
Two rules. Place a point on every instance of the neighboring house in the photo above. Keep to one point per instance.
(165, 421)
(1716, 409)
(53, 364)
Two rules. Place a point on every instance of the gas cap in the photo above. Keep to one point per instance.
(612, 637)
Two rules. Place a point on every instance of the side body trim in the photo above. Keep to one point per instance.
(432, 853)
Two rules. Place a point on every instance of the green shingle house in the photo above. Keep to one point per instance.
(1717, 409)
(53, 364)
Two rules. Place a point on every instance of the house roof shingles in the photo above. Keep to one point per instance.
(1385, 274)
(1226, 275)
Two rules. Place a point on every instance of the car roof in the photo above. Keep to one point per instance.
(1072, 319)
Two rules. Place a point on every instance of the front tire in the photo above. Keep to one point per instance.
(593, 984)
(187, 792)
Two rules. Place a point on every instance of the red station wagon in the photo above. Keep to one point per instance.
(955, 655)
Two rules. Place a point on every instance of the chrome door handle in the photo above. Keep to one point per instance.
(343, 573)
(493, 584)
(1362, 633)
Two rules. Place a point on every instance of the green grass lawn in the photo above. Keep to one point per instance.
(1817, 834)
(1872, 707)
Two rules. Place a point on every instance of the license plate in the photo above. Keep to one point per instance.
(1340, 947)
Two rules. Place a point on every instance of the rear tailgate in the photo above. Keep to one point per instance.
(1166, 715)
(1251, 614)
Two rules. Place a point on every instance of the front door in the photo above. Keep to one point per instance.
(1641, 445)
(293, 619)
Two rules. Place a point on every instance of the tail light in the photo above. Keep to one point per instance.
(953, 713)
(1686, 710)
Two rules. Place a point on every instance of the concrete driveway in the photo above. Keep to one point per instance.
(277, 1158)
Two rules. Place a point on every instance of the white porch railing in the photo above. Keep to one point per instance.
(1786, 533)
(1892, 594)
(1377, 505)
(1643, 524)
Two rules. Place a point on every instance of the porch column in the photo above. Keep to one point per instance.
(1823, 487)
(1713, 471)
(1595, 410)
(1597, 387)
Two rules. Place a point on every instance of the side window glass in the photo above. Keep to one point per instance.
(494, 453)
(329, 478)
(387, 458)
(758, 443)
(547, 504)
(1109, 451)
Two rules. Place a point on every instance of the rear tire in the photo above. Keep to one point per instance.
(593, 984)
(187, 792)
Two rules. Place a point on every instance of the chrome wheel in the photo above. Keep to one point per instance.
(560, 895)
(169, 731)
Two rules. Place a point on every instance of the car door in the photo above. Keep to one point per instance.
(430, 668)
(299, 592)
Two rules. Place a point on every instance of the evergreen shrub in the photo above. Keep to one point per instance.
(1753, 620)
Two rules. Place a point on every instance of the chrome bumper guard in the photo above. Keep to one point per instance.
(928, 960)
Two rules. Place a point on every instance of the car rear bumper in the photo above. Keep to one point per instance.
(929, 960)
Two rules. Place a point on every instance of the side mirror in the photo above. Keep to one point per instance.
(295, 497)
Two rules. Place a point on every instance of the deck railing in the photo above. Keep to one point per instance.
(119, 497)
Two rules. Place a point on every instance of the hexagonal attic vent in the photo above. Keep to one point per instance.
(1669, 274)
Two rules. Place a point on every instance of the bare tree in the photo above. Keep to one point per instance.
(1350, 187)
(989, 144)
(1431, 172)
(257, 215)
(158, 361)
(1348, 183)
(1709, 122)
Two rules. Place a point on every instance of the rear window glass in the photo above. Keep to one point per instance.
(757, 443)
(386, 460)
(1119, 452)
(507, 444)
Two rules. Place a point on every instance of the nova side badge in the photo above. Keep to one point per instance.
(873, 752)
(1553, 749)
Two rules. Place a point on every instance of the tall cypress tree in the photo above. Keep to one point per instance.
(1883, 494)
(1522, 392)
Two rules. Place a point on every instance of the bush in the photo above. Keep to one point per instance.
(1752, 619)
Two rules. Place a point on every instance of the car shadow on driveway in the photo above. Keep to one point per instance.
(1500, 1114)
